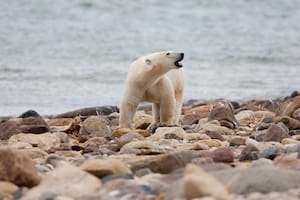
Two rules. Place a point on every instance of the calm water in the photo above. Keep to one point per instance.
(59, 55)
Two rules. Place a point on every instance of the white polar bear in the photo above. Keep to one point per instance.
(156, 78)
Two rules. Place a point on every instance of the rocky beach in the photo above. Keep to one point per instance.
(223, 150)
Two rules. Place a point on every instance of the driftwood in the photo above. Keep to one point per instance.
(98, 110)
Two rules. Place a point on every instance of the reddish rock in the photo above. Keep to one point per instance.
(18, 168)
(60, 121)
(164, 163)
(222, 154)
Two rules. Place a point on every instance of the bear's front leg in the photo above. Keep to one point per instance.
(167, 110)
(127, 111)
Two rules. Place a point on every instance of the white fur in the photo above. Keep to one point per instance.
(154, 78)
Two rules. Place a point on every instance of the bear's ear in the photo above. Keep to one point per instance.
(148, 62)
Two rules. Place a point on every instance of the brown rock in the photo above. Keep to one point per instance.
(7, 189)
(168, 133)
(101, 168)
(211, 142)
(222, 113)
(197, 183)
(296, 114)
(276, 132)
(288, 107)
(141, 120)
(122, 131)
(260, 104)
(208, 128)
(245, 117)
(17, 167)
(190, 118)
(287, 161)
(145, 148)
(222, 154)
(96, 126)
(124, 139)
(214, 135)
(22, 125)
(164, 163)
(288, 121)
(237, 141)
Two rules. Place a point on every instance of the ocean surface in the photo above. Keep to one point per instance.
(60, 55)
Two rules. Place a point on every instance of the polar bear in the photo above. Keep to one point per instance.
(156, 78)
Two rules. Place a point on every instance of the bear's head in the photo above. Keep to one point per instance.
(163, 61)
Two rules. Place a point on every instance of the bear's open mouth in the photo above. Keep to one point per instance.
(177, 62)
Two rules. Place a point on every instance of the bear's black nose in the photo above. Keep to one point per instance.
(182, 55)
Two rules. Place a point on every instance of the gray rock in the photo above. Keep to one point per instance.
(96, 126)
(260, 179)
(276, 132)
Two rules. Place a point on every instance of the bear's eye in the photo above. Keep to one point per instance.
(168, 54)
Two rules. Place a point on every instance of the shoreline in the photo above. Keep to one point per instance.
(222, 150)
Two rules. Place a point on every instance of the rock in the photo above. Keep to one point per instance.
(209, 128)
(262, 162)
(60, 121)
(122, 131)
(262, 115)
(276, 132)
(292, 148)
(105, 167)
(164, 163)
(197, 136)
(214, 135)
(141, 120)
(189, 119)
(260, 104)
(22, 125)
(287, 162)
(237, 141)
(65, 180)
(288, 107)
(192, 146)
(29, 113)
(17, 167)
(98, 110)
(272, 150)
(168, 133)
(44, 141)
(117, 176)
(211, 142)
(296, 114)
(288, 121)
(289, 141)
(223, 114)
(208, 164)
(249, 153)
(198, 183)
(7, 189)
(96, 126)
(35, 153)
(145, 148)
(222, 154)
(258, 179)
(245, 117)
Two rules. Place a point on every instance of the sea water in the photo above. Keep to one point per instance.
(60, 55)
